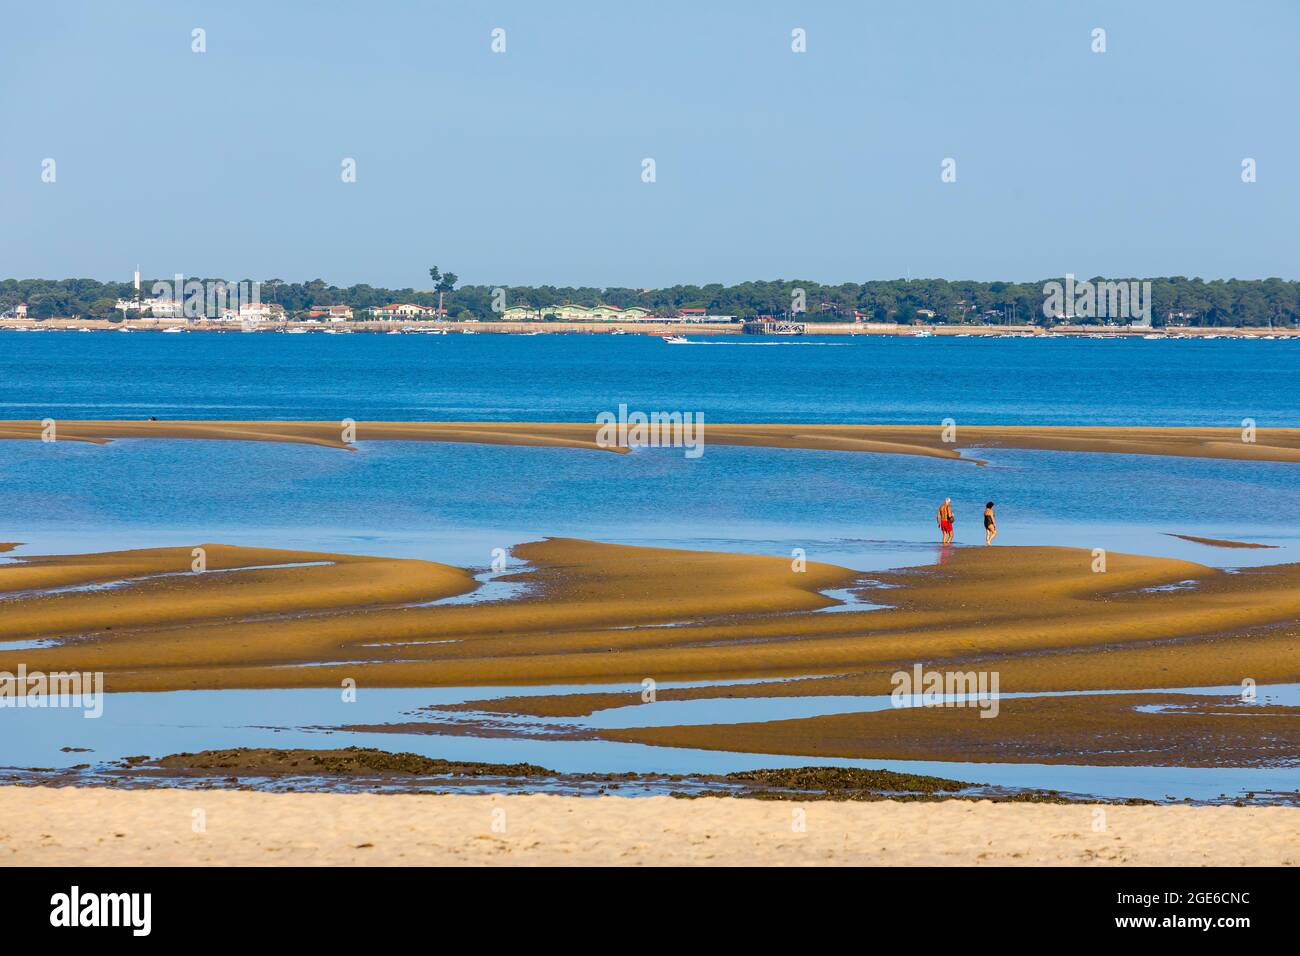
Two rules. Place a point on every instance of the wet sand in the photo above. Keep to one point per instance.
(597, 613)
(143, 595)
(1109, 730)
(1220, 542)
(1271, 444)
(367, 769)
(93, 826)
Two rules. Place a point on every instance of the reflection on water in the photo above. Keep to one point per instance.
(458, 503)
(188, 721)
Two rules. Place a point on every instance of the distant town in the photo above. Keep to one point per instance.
(787, 306)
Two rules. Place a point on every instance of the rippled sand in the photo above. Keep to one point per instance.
(1042, 619)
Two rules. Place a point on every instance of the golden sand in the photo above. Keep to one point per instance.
(1270, 444)
(1040, 616)
(171, 633)
(75, 827)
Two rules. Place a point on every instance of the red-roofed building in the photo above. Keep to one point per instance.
(335, 313)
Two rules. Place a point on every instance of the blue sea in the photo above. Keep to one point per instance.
(457, 503)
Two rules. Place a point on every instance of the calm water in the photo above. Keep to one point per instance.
(572, 377)
(194, 720)
(458, 502)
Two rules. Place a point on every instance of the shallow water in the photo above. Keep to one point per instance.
(457, 503)
(159, 724)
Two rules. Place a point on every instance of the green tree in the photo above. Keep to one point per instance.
(443, 282)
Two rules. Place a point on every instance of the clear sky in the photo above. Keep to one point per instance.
(525, 167)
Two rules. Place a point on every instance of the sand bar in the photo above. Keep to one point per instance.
(1135, 730)
(595, 612)
(1220, 542)
(1269, 444)
(1041, 618)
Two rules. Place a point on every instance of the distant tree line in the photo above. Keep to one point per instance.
(1174, 300)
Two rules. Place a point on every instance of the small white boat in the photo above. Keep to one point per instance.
(923, 334)
(172, 330)
(1153, 336)
(296, 331)
(676, 340)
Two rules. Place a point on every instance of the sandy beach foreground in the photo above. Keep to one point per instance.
(101, 827)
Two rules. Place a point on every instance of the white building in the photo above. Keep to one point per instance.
(405, 310)
(253, 312)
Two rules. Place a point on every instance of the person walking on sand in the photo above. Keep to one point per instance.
(990, 524)
(946, 518)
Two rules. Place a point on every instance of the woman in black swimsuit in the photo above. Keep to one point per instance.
(990, 524)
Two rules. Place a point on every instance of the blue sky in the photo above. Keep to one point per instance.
(525, 167)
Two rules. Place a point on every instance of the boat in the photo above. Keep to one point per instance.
(923, 334)
(296, 331)
(166, 331)
(1153, 336)
(677, 340)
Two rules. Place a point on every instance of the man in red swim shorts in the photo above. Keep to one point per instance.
(945, 520)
